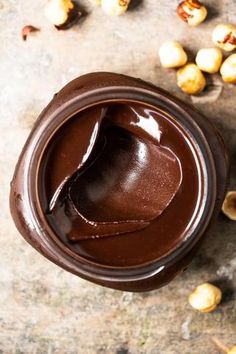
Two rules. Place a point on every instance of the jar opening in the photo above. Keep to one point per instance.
(127, 255)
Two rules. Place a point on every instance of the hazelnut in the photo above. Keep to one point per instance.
(57, 11)
(223, 347)
(228, 70)
(192, 11)
(224, 36)
(190, 79)
(209, 60)
(229, 204)
(115, 7)
(205, 297)
(172, 55)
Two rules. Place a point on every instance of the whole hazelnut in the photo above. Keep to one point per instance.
(172, 55)
(192, 11)
(228, 69)
(115, 7)
(205, 297)
(229, 204)
(57, 11)
(190, 79)
(209, 60)
(232, 350)
(224, 36)
(223, 347)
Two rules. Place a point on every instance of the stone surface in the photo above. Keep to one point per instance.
(44, 309)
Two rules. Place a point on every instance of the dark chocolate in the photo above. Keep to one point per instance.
(122, 177)
(116, 169)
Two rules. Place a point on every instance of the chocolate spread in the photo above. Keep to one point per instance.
(118, 182)
(120, 171)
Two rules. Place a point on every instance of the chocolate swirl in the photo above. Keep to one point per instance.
(111, 173)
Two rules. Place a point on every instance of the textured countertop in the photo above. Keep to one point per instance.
(44, 309)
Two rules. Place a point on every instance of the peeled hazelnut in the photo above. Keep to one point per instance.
(228, 70)
(192, 11)
(190, 79)
(205, 297)
(115, 7)
(57, 11)
(223, 347)
(224, 36)
(63, 13)
(229, 205)
(209, 60)
(96, 2)
(172, 55)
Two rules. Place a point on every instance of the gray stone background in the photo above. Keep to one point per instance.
(44, 309)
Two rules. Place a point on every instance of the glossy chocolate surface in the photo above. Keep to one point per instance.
(116, 182)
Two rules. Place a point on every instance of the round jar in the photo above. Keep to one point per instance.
(161, 220)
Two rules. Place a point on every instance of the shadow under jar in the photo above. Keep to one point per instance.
(119, 181)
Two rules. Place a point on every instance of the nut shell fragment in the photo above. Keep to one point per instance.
(26, 30)
(229, 205)
(205, 297)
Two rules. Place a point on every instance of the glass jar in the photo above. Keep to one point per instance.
(26, 199)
